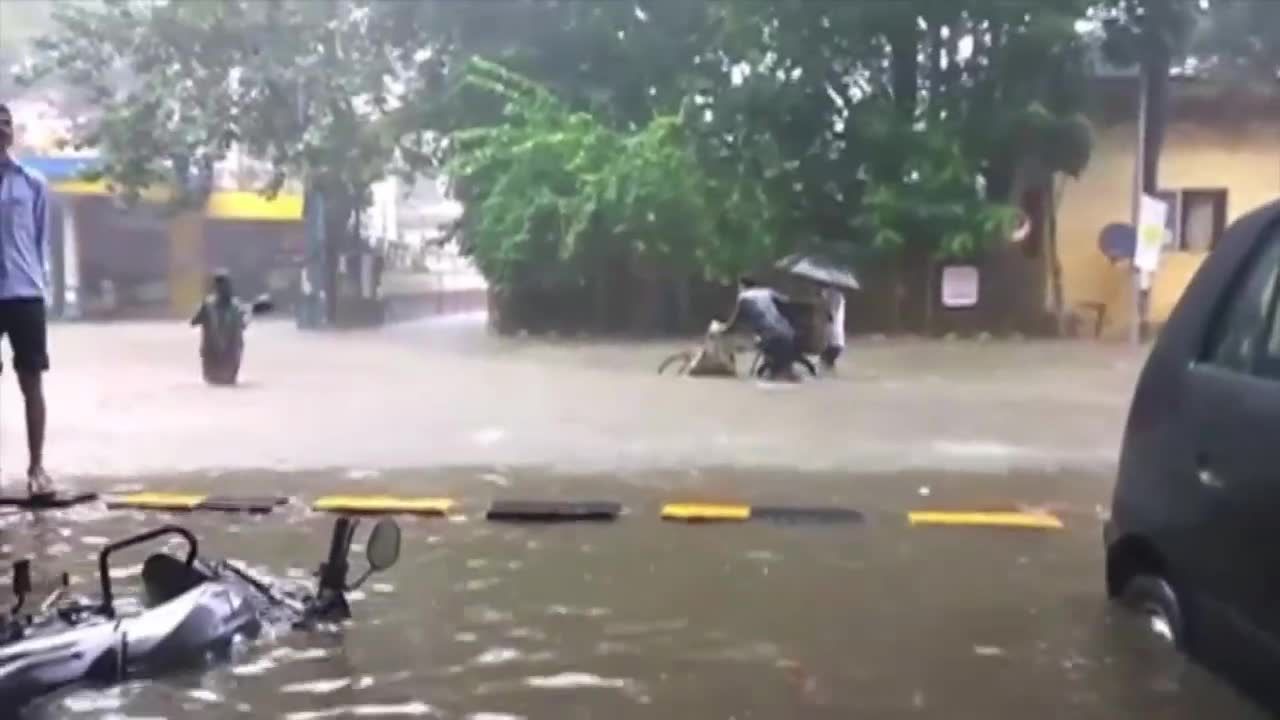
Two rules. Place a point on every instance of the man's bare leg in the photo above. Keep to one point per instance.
(33, 399)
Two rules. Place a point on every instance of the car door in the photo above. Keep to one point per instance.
(1233, 428)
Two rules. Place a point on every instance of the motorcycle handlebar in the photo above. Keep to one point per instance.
(104, 564)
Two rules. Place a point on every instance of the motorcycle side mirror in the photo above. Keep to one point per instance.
(21, 584)
(383, 548)
(263, 305)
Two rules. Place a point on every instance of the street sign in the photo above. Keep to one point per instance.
(1117, 241)
(1151, 233)
(959, 286)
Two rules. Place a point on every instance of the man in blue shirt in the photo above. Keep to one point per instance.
(24, 228)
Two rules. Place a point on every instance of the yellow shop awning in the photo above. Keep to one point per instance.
(222, 205)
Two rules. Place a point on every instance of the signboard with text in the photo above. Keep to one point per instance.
(960, 286)
(1151, 233)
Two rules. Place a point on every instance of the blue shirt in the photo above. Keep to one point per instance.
(24, 228)
(758, 308)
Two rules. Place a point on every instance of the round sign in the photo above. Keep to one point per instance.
(1117, 241)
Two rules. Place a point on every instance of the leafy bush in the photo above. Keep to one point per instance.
(553, 195)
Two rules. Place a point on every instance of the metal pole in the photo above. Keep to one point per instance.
(1139, 167)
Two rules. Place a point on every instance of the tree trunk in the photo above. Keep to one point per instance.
(680, 290)
(644, 305)
(930, 281)
(601, 299)
(914, 294)
(904, 52)
(339, 209)
(953, 72)
(1057, 299)
(936, 54)
(1157, 73)
(980, 31)
(901, 292)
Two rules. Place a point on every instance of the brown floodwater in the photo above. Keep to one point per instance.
(644, 619)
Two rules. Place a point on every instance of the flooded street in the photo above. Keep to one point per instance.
(637, 618)
(642, 619)
(274, 269)
(128, 399)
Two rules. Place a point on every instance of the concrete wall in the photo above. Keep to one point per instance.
(1244, 158)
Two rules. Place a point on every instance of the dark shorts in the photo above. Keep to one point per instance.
(23, 321)
(780, 354)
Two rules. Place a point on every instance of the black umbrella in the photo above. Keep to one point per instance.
(819, 270)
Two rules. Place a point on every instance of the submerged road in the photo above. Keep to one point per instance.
(636, 618)
(126, 399)
(643, 619)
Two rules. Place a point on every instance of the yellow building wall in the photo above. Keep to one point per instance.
(187, 274)
(1244, 160)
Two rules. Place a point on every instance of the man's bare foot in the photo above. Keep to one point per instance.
(39, 482)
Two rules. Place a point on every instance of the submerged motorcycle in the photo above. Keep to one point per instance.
(196, 609)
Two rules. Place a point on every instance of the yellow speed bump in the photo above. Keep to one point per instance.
(1025, 520)
(696, 512)
(157, 501)
(383, 504)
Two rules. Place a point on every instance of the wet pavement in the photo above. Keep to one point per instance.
(638, 618)
(642, 619)
(127, 399)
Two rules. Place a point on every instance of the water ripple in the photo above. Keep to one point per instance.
(408, 709)
(575, 681)
(497, 656)
(317, 687)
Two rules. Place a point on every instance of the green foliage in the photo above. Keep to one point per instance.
(703, 137)
(552, 194)
(1143, 32)
(787, 111)
(933, 193)
(307, 85)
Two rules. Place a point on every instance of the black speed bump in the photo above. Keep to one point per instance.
(252, 505)
(47, 501)
(552, 511)
(803, 515)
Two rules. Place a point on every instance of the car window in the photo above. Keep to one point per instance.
(1237, 333)
(1269, 362)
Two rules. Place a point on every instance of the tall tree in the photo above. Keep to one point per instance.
(20, 23)
(1154, 35)
(1238, 42)
(905, 126)
(310, 86)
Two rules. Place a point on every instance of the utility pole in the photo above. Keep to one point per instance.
(311, 311)
(1139, 182)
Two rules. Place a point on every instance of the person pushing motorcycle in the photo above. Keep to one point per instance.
(759, 308)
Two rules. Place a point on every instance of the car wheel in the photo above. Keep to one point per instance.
(1153, 597)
